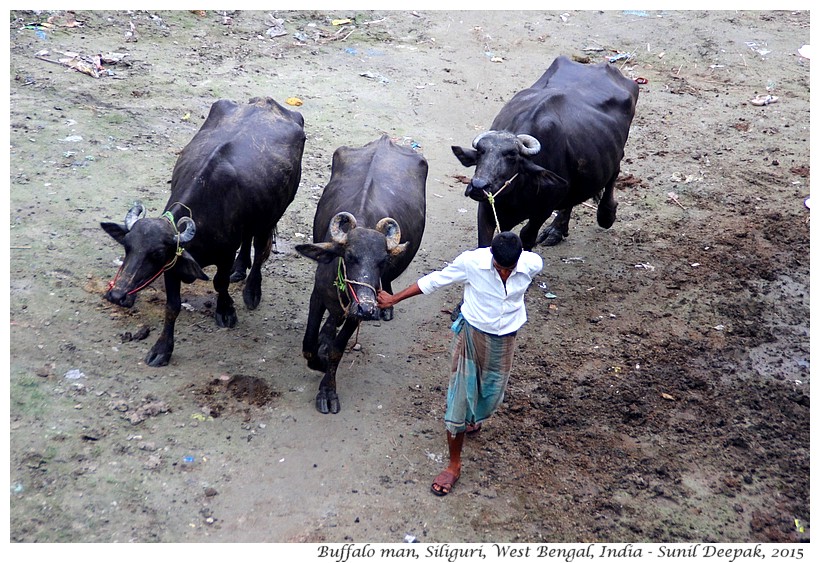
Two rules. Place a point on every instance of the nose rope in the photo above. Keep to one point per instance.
(491, 199)
(343, 284)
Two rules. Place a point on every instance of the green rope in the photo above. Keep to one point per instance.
(339, 282)
(170, 216)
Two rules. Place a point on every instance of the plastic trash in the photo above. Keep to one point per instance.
(763, 100)
(74, 374)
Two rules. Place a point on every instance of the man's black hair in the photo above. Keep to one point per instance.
(506, 249)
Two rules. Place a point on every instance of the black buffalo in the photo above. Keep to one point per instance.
(230, 186)
(551, 147)
(367, 228)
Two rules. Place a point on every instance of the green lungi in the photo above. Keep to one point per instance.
(480, 367)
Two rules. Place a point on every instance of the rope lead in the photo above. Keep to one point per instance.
(491, 199)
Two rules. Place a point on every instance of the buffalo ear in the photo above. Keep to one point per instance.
(557, 185)
(529, 167)
(322, 252)
(399, 249)
(467, 157)
(188, 269)
(116, 231)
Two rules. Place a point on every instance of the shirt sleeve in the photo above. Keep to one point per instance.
(533, 262)
(450, 274)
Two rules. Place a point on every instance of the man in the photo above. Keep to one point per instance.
(495, 280)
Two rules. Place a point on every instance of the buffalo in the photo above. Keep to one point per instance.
(230, 186)
(367, 228)
(551, 147)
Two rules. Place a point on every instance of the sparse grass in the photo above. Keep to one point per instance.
(26, 393)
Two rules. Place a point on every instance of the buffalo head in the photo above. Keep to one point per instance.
(499, 158)
(152, 246)
(365, 254)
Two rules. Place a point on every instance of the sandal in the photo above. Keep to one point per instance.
(443, 484)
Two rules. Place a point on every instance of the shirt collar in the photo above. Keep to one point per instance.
(488, 263)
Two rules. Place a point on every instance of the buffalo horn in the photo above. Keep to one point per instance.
(136, 212)
(389, 227)
(529, 145)
(187, 230)
(479, 137)
(341, 223)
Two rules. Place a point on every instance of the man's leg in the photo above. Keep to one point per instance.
(443, 484)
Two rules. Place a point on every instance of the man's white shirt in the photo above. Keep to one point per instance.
(488, 305)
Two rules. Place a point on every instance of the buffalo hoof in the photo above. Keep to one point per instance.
(157, 358)
(237, 276)
(550, 237)
(606, 215)
(387, 314)
(226, 320)
(251, 297)
(327, 401)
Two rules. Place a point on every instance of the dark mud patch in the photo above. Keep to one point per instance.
(231, 394)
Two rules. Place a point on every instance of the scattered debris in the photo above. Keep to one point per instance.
(73, 374)
(141, 334)
(374, 76)
(292, 101)
(763, 100)
(676, 177)
(620, 57)
(148, 410)
(131, 33)
(628, 181)
(762, 51)
(92, 65)
(274, 23)
(674, 198)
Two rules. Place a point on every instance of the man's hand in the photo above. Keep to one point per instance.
(385, 299)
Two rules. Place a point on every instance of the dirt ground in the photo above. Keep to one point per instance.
(661, 386)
